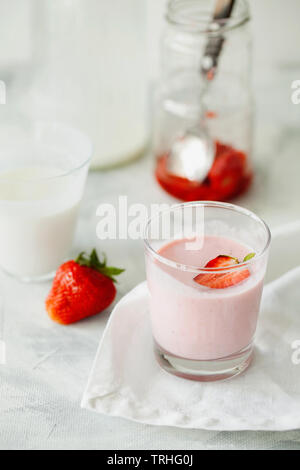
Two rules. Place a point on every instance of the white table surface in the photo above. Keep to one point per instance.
(48, 365)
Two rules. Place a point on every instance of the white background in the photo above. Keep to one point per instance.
(47, 365)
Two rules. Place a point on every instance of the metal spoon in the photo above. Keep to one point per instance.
(192, 155)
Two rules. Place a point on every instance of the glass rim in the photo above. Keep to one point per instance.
(174, 17)
(63, 174)
(195, 269)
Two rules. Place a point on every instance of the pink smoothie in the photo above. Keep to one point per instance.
(196, 322)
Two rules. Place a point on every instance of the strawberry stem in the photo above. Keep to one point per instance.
(92, 261)
(248, 257)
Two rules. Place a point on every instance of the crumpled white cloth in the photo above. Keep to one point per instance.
(126, 381)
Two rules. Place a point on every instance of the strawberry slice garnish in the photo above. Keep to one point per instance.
(222, 261)
(223, 280)
(81, 289)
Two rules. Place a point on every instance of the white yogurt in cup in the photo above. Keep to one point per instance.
(43, 169)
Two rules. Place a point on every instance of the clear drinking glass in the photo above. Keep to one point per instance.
(43, 169)
(205, 331)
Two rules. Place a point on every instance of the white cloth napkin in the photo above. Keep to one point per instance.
(126, 381)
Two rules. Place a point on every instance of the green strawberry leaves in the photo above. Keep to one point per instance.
(248, 257)
(93, 261)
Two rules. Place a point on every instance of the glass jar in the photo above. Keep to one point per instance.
(89, 70)
(185, 100)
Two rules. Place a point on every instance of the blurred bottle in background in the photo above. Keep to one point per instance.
(16, 37)
(86, 65)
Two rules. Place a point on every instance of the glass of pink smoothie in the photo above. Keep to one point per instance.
(205, 264)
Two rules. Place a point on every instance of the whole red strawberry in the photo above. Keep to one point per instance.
(81, 289)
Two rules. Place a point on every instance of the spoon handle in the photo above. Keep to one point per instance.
(214, 45)
(223, 9)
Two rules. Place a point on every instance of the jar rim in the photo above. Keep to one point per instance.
(191, 16)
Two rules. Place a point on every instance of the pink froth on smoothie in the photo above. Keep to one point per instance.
(194, 321)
